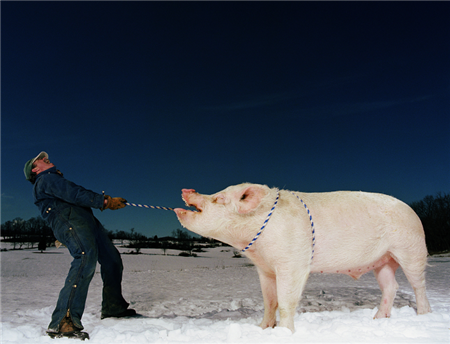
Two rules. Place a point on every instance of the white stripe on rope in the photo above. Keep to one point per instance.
(148, 206)
(312, 226)
(264, 224)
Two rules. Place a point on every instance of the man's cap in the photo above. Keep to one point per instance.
(29, 164)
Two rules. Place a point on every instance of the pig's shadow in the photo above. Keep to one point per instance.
(335, 298)
(329, 299)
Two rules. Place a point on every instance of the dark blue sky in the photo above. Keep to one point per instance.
(142, 99)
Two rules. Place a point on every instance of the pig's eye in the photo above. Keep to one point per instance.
(220, 199)
(244, 196)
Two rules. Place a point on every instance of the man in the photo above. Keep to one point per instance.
(66, 207)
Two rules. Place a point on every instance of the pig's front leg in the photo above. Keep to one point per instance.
(269, 291)
(290, 285)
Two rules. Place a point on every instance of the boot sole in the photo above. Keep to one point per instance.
(73, 334)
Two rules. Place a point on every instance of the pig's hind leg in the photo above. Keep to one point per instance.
(385, 276)
(414, 269)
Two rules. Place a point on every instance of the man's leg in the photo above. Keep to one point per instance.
(111, 269)
(75, 229)
(72, 298)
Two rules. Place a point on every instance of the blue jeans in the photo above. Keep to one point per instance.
(88, 242)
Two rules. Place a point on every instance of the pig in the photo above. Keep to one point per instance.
(354, 232)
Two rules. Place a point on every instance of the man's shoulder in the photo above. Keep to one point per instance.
(48, 176)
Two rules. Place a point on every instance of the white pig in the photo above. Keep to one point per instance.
(355, 232)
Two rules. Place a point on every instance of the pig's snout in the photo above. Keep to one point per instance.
(185, 194)
(187, 191)
(190, 197)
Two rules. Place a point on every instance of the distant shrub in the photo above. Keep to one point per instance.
(237, 254)
(198, 249)
(187, 254)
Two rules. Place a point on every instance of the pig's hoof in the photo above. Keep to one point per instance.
(423, 311)
(381, 315)
(265, 325)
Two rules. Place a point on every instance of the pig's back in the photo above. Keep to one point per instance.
(354, 230)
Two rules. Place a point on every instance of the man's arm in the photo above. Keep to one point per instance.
(59, 187)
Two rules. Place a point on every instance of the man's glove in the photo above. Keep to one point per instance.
(114, 203)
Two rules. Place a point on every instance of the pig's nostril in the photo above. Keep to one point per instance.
(187, 190)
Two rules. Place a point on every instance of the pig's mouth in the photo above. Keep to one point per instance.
(197, 210)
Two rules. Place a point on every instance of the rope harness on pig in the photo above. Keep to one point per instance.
(312, 226)
(270, 214)
(264, 224)
(148, 206)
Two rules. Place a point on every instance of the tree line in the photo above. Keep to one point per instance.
(433, 211)
(27, 233)
(35, 231)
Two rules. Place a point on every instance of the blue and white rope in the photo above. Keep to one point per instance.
(312, 226)
(148, 206)
(264, 224)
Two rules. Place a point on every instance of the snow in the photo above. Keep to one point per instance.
(215, 298)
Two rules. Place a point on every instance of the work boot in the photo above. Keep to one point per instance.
(67, 329)
(67, 325)
(126, 313)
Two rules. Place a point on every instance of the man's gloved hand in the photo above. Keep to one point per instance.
(114, 203)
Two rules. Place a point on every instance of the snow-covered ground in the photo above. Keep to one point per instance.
(215, 298)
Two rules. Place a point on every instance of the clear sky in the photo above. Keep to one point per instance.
(142, 99)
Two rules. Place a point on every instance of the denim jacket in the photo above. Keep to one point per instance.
(53, 195)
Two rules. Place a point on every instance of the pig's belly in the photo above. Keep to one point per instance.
(355, 271)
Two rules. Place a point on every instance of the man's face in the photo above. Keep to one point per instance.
(41, 165)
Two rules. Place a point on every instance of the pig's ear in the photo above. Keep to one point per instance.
(250, 199)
